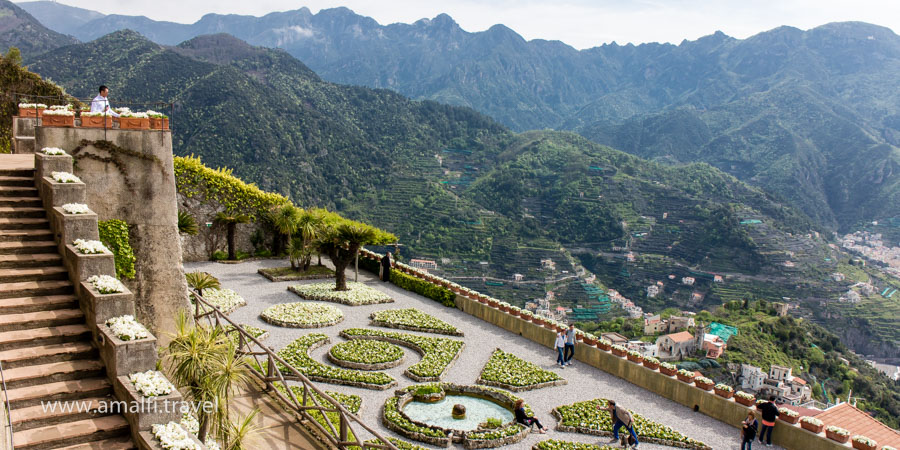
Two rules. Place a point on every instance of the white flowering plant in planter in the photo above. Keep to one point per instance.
(58, 112)
(134, 115)
(812, 421)
(864, 440)
(620, 348)
(76, 208)
(156, 115)
(686, 373)
(106, 284)
(173, 437)
(667, 366)
(127, 329)
(151, 383)
(94, 114)
(837, 430)
(32, 106)
(744, 395)
(703, 380)
(635, 354)
(89, 247)
(724, 387)
(65, 177)
(788, 412)
(53, 151)
(69, 106)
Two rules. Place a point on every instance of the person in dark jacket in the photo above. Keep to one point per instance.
(620, 417)
(769, 413)
(748, 431)
(386, 267)
(524, 419)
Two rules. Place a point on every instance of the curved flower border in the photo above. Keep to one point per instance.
(438, 354)
(358, 295)
(297, 354)
(529, 375)
(360, 364)
(411, 319)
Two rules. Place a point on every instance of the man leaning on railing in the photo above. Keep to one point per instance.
(101, 104)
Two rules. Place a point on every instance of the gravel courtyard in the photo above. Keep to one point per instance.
(584, 382)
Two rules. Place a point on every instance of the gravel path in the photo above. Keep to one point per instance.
(585, 382)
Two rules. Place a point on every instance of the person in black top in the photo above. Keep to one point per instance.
(523, 418)
(769, 414)
(386, 267)
(748, 431)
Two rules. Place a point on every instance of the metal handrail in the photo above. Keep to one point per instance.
(17, 96)
(341, 435)
(8, 411)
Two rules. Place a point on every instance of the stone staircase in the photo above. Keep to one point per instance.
(23, 134)
(45, 345)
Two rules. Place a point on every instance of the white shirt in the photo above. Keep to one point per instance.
(560, 340)
(101, 104)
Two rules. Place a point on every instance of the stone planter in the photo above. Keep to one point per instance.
(68, 227)
(667, 372)
(513, 312)
(57, 121)
(861, 446)
(133, 123)
(538, 321)
(618, 352)
(812, 428)
(58, 194)
(503, 308)
(44, 165)
(837, 437)
(605, 346)
(96, 121)
(723, 393)
(98, 308)
(651, 365)
(745, 401)
(635, 359)
(82, 266)
(122, 358)
(159, 124)
(146, 441)
(142, 412)
(684, 378)
(31, 112)
(590, 342)
(789, 419)
(704, 386)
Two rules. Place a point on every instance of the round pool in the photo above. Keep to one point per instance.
(478, 410)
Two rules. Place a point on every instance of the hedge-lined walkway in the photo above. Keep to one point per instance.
(584, 382)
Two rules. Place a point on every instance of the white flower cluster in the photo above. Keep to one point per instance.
(225, 299)
(156, 115)
(686, 373)
(437, 353)
(56, 107)
(65, 177)
(302, 315)
(812, 421)
(53, 151)
(58, 112)
(788, 412)
(106, 284)
(94, 114)
(415, 319)
(703, 380)
(190, 423)
(91, 247)
(509, 369)
(744, 395)
(135, 115)
(173, 437)
(76, 208)
(151, 383)
(864, 440)
(32, 106)
(126, 328)
(667, 366)
(724, 387)
(358, 293)
(838, 430)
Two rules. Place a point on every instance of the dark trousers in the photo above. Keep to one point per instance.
(559, 358)
(532, 421)
(570, 352)
(620, 424)
(767, 432)
(746, 444)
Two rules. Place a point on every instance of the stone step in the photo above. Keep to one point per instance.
(23, 181)
(45, 354)
(21, 201)
(38, 319)
(17, 173)
(71, 433)
(19, 191)
(22, 211)
(55, 413)
(18, 247)
(120, 443)
(61, 390)
(43, 374)
(43, 234)
(33, 274)
(43, 336)
(32, 304)
(35, 288)
(28, 223)
(31, 260)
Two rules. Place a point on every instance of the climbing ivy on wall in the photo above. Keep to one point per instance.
(193, 179)
(114, 235)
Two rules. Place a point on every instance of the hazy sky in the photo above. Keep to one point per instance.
(580, 23)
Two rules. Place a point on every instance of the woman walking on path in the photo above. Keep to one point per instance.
(526, 420)
(560, 348)
(769, 414)
(748, 431)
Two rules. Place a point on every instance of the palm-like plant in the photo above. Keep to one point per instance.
(341, 243)
(309, 225)
(284, 219)
(240, 432)
(231, 221)
(187, 224)
(201, 281)
(296, 252)
(231, 370)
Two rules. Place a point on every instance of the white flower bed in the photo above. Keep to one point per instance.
(173, 437)
(151, 383)
(302, 315)
(106, 284)
(65, 177)
(297, 355)
(89, 247)
(134, 115)
(508, 371)
(225, 299)
(358, 293)
(364, 351)
(437, 353)
(127, 329)
(76, 208)
(59, 112)
(32, 106)
(413, 319)
(53, 151)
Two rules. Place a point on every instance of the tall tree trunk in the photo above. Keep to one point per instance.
(231, 229)
(340, 277)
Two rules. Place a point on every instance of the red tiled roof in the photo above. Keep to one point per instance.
(682, 336)
(856, 421)
(799, 380)
(803, 411)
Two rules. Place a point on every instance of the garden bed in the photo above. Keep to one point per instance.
(508, 371)
(585, 418)
(438, 354)
(302, 315)
(297, 354)
(226, 300)
(366, 354)
(412, 319)
(288, 274)
(553, 444)
(358, 294)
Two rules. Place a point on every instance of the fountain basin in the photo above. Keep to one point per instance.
(440, 413)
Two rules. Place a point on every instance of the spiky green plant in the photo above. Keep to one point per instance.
(187, 224)
(201, 281)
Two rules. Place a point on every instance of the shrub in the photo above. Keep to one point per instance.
(114, 235)
(424, 288)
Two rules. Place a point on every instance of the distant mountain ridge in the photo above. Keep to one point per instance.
(19, 29)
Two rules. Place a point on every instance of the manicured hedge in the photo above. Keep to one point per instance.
(438, 293)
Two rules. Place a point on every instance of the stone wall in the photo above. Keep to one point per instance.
(203, 244)
(134, 183)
